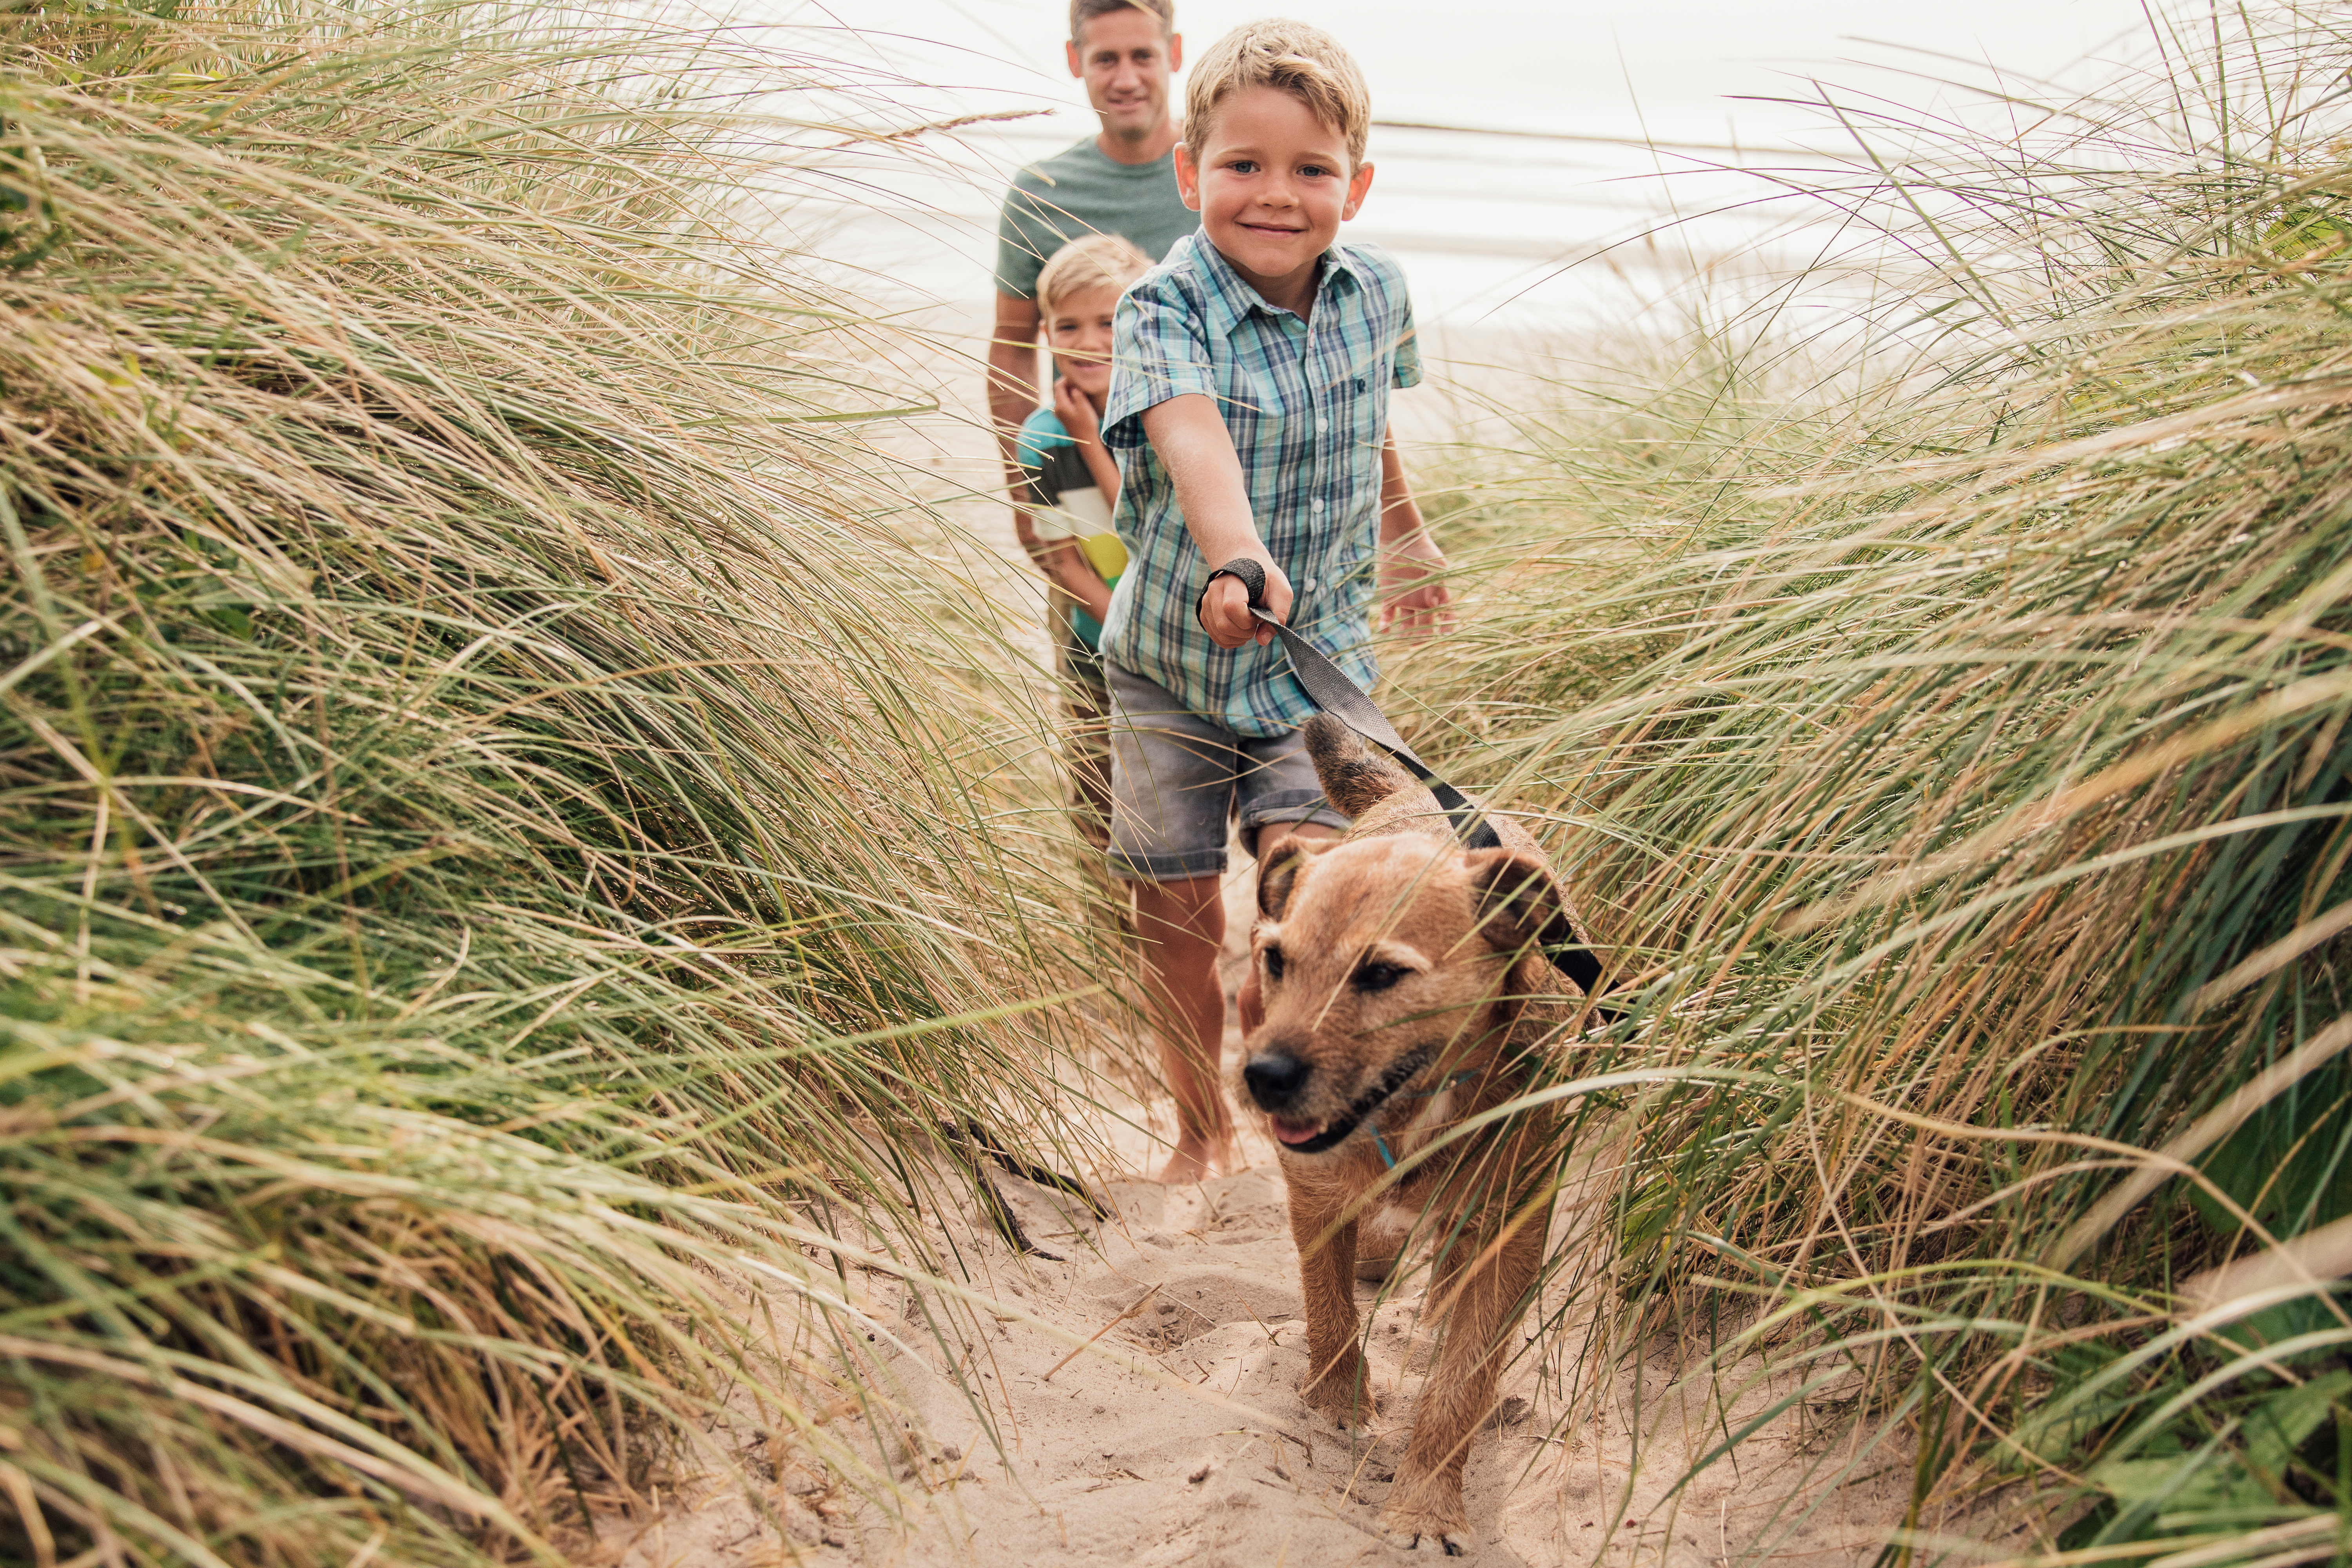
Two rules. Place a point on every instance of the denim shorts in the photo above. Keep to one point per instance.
(1176, 777)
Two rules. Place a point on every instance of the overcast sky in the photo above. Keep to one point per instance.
(1679, 68)
(1484, 224)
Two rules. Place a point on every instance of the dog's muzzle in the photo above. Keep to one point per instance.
(1400, 1073)
(1275, 1079)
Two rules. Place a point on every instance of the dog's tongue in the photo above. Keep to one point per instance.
(1291, 1133)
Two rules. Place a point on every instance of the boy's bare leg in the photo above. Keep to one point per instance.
(1183, 925)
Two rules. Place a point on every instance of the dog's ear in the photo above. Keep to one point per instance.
(1279, 876)
(1354, 777)
(1518, 902)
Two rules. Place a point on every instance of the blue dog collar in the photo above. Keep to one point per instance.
(1372, 1126)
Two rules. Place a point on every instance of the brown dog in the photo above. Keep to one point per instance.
(1403, 994)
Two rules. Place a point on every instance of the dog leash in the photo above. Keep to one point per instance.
(1330, 690)
(1335, 694)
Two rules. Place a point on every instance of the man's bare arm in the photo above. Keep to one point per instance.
(1197, 450)
(1011, 370)
(1012, 394)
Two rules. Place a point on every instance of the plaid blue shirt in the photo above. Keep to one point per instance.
(1308, 404)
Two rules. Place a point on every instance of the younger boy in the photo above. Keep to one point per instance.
(1068, 483)
(1249, 398)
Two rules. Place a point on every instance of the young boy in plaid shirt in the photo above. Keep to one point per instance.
(1249, 403)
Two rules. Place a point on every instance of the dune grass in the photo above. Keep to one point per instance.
(1944, 717)
(477, 883)
(481, 892)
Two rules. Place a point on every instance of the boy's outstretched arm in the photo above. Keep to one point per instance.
(1412, 582)
(1197, 450)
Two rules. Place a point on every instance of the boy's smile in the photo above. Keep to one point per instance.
(1272, 185)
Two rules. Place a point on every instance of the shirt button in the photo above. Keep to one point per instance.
(1311, 584)
(1317, 503)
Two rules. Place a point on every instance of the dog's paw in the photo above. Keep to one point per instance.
(1357, 1415)
(1343, 1398)
(1436, 1543)
(1443, 1531)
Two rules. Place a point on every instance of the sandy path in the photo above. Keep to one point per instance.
(1192, 1447)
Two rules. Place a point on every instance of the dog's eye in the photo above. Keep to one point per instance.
(1378, 976)
(1274, 963)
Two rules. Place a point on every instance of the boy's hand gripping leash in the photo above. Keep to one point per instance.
(1335, 694)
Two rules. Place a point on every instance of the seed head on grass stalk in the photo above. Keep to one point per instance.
(477, 875)
(1967, 800)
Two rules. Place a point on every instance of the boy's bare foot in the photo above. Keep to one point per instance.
(1195, 1160)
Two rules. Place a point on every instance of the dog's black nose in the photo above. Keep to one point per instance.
(1275, 1078)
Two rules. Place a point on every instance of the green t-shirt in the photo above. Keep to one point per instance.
(1077, 192)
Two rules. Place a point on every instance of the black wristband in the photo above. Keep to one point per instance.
(1242, 570)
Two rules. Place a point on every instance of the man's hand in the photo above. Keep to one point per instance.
(1225, 613)
(1412, 591)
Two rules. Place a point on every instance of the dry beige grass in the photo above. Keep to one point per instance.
(480, 891)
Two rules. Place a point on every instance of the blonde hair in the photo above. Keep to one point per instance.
(1305, 62)
(1087, 264)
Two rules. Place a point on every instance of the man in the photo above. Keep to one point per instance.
(1120, 181)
